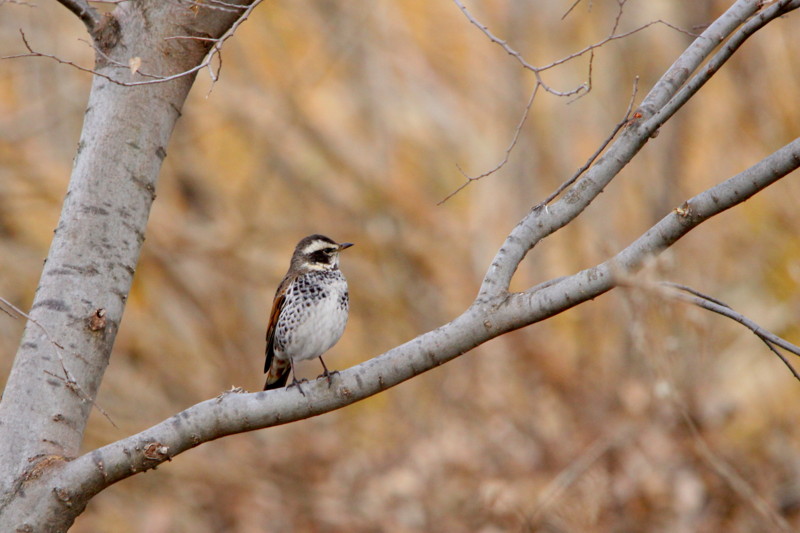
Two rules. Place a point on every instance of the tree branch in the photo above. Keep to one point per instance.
(544, 301)
(235, 413)
(539, 223)
(766, 16)
(85, 12)
(214, 51)
(687, 294)
(578, 92)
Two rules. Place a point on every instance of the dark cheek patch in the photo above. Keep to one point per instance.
(320, 257)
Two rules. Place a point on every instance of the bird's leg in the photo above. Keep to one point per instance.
(326, 374)
(294, 379)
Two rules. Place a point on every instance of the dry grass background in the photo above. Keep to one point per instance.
(629, 413)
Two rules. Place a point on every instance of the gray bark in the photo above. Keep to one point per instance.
(93, 256)
(44, 486)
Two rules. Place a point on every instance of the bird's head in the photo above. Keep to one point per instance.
(318, 252)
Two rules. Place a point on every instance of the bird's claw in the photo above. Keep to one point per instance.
(327, 375)
(296, 383)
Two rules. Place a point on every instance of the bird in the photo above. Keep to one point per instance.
(309, 311)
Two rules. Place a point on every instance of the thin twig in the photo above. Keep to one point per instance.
(576, 92)
(509, 149)
(10, 312)
(716, 306)
(219, 5)
(619, 126)
(215, 50)
(575, 470)
(537, 70)
(568, 11)
(786, 362)
(68, 379)
(33, 53)
(73, 386)
(727, 472)
(723, 309)
(686, 288)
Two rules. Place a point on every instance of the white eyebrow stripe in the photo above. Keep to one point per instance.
(316, 246)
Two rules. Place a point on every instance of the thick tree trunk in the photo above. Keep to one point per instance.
(88, 273)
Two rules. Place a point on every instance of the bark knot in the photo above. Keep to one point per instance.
(98, 320)
(156, 451)
(107, 34)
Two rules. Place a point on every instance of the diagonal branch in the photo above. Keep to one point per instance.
(687, 294)
(539, 223)
(85, 12)
(766, 16)
(234, 412)
(544, 301)
(620, 125)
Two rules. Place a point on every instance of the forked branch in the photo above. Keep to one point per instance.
(91, 19)
(235, 412)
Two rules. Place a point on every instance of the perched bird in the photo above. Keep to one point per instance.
(309, 311)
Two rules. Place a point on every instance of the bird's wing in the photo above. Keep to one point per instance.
(277, 305)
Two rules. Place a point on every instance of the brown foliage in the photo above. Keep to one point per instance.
(333, 118)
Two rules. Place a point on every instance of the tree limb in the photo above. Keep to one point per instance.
(215, 50)
(235, 413)
(541, 302)
(85, 12)
(687, 294)
(539, 223)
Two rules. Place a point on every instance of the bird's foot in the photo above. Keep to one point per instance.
(296, 383)
(328, 375)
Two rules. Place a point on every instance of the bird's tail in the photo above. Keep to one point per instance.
(277, 375)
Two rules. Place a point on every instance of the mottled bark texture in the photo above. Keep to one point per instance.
(88, 272)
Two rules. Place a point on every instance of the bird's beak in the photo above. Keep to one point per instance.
(344, 245)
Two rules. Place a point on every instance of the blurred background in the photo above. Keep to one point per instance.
(628, 413)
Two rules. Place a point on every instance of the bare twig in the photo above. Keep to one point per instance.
(704, 301)
(219, 5)
(72, 385)
(215, 50)
(735, 480)
(11, 311)
(613, 36)
(509, 149)
(576, 469)
(620, 125)
(568, 11)
(33, 53)
(68, 379)
(576, 92)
